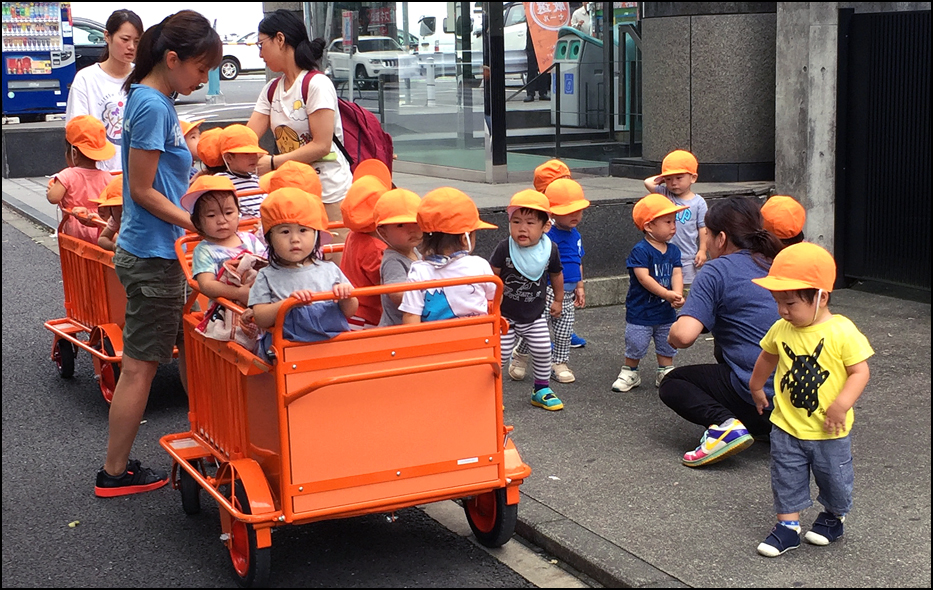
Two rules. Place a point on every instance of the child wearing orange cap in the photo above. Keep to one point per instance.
(655, 290)
(296, 227)
(784, 217)
(362, 252)
(239, 148)
(449, 220)
(548, 172)
(74, 187)
(822, 368)
(192, 132)
(524, 261)
(678, 174)
(209, 151)
(396, 217)
(110, 208)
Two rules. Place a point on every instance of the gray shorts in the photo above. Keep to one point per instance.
(155, 298)
(793, 459)
(637, 339)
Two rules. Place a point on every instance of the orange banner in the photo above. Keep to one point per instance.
(544, 20)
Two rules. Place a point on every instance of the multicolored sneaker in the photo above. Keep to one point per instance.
(135, 480)
(781, 540)
(826, 529)
(662, 371)
(545, 398)
(576, 341)
(718, 442)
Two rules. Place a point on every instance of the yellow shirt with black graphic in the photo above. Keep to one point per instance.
(811, 372)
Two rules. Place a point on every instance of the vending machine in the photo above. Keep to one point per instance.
(38, 57)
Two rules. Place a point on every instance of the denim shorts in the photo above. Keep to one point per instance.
(637, 339)
(793, 459)
(155, 298)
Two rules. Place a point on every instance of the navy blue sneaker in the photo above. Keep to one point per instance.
(576, 341)
(826, 529)
(780, 541)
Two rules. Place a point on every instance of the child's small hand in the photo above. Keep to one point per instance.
(303, 294)
(556, 308)
(343, 290)
(579, 297)
(835, 422)
(678, 301)
(700, 259)
(242, 296)
(760, 399)
(248, 325)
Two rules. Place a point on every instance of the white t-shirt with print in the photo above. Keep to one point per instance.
(94, 92)
(458, 301)
(288, 119)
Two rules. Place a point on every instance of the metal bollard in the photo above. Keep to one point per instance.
(429, 80)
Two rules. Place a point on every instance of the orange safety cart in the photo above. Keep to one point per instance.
(300, 440)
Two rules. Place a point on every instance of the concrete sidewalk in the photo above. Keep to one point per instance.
(609, 496)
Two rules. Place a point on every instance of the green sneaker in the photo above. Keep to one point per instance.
(545, 398)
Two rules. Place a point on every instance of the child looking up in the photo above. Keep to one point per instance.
(678, 173)
(784, 217)
(822, 369)
(362, 252)
(75, 186)
(240, 150)
(396, 216)
(655, 289)
(449, 220)
(192, 132)
(296, 227)
(521, 261)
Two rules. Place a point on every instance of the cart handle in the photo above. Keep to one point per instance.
(320, 383)
(92, 218)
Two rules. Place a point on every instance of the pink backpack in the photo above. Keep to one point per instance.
(363, 136)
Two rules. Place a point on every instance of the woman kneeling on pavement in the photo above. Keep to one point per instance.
(724, 302)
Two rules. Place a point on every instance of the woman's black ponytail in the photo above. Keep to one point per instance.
(308, 53)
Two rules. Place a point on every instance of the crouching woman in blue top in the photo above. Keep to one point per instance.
(174, 56)
(725, 302)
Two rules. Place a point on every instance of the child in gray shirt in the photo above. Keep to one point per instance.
(396, 216)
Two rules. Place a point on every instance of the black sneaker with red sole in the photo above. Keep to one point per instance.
(135, 480)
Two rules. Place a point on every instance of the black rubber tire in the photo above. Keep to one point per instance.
(491, 519)
(250, 565)
(190, 492)
(64, 357)
(229, 69)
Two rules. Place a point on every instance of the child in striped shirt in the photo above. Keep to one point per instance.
(239, 147)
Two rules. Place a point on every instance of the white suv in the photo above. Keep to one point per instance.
(372, 56)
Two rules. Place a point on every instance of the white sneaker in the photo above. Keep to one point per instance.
(518, 366)
(628, 379)
(662, 371)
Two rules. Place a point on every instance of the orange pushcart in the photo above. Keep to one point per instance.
(301, 440)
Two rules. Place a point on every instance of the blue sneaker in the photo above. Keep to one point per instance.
(718, 442)
(826, 529)
(576, 341)
(781, 540)
(545, 398)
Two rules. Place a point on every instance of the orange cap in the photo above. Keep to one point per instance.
(357, 207)
(239, 139)
(373, 167)
(651, 207)
(548, 172)
(112, 195)
(187, 126)
(565, 196)
(293, 205)
(209, 147)
(801, 266)
(397, 206)
(679, 162)
(294, 174)
(449, 211)
(87, 133)
(783, 216)
(205, 184)
(528, 199)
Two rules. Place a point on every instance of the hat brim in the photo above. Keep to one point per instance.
(109, 202)
(247, 149)
(483, 225)
(189, 199)
(513, 208)
(569, 208)
(784, 284)
(104, 153)
(673, 172)
(265, 181)
(404, 218)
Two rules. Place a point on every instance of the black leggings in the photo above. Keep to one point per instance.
(703, 394)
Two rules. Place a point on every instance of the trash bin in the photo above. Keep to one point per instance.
(581, 84)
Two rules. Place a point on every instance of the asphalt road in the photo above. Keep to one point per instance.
(54, 439)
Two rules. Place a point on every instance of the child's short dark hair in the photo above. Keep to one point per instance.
(808, 295)
(199, 204)
(276, 261)
(542, 216)
(436, 242)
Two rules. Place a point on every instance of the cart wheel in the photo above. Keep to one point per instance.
(190, 492)
(491, 519)
(109, 372)
(251, 565)
(64, 356)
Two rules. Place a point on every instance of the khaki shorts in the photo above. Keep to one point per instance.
(155, 298)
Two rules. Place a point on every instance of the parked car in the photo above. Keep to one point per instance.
(372, 57)
(241, 56)
(89, 41)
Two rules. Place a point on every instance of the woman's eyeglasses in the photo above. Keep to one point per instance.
(259, 43)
